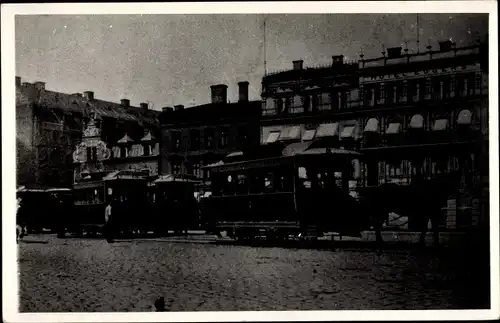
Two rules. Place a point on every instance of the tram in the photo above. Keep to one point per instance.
(130, 190)
(56, 202)
(302, 191)
(175, 204)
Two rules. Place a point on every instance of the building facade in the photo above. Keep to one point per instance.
(426, 115)
(306, 104)
(423, 114)
(201, 135)
(51, 126)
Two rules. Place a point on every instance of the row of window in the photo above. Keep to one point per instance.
(403, 171)
(194, 140)
(138, 150)
(369, 95)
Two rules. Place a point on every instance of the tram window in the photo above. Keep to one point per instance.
(302, 173)
(269, 182)
(228, 185)
(242, 186)
(256, 182)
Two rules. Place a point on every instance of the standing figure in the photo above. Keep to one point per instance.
(108, 222)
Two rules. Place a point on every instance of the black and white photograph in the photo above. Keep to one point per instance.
(262, 160)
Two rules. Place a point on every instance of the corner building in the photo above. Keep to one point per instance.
(201, 135)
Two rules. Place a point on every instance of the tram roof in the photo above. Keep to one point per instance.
(288, 155)
(170, 178)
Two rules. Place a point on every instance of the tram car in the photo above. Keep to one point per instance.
(302, 191)
(128, 192)
(175, 204)
(56, 204)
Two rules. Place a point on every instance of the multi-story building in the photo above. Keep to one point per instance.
(426, 114)
(50, 126)
(305, 104)
(205, 134)
(422, 114)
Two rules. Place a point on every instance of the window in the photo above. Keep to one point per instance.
(297, 104)
(325, 101)
(89, 154)
(123, 152)
(242, 136)
(94, 153)
(269, 182)
(428, 88)
(242, 184)
(195, 139)
(176, 168)
(197, 170)
(279, 105)
(269, 106)
(209, 138)
(147, 149)
(389, 94)
(176, 140)
(223, 138)
(436, 88)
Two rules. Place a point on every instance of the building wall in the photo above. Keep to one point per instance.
(25, 150)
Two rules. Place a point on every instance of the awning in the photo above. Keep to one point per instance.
(235, 154)
(440, 125)
(290, 133)
(464, 117)
(273, 137)
(394, 128)
(348, 132)
(371, 125)
(308, 135)
(296, 148)
(327, 130)
(111, 176)
(417, 122)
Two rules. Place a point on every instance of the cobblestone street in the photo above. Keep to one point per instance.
(92, 275)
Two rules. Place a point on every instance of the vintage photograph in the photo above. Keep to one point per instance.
(252, 162)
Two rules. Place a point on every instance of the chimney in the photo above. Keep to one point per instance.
(338, 60)
(167, 109)
(178, 107)
(394, 52)
(219, 93)
(18, 81)
(125, 102)
(40, 86)
(89, 95)
(144, 105)
(445, 46)
(298, 65)
(243, 91)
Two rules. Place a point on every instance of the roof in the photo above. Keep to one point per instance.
(211, 111)
(72, 103)
(125, 139)
(148, 137)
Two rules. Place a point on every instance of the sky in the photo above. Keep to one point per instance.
(173, 59)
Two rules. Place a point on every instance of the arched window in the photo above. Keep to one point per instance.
(417, 122)
(464, 117)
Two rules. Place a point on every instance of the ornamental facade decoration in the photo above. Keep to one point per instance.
(92, 148)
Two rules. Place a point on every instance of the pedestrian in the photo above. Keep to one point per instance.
(108, 219)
